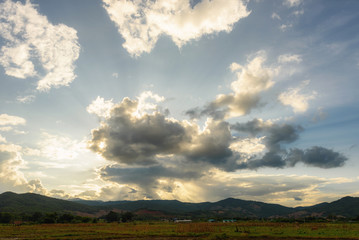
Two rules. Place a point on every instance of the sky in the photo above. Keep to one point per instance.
(194, 100)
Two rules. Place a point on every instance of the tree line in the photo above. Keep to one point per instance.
(53, 217)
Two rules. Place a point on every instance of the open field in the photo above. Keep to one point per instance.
(160, 230)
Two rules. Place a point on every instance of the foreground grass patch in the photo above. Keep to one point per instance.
(160, 230)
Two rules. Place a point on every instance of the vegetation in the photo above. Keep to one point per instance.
(196, 230)
(32, 216)
(29, 203)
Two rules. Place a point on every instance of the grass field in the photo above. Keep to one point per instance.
(183, 231)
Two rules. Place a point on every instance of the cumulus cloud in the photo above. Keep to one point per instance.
(141, 22)
(317, 157)
(160, 157)
(30, 39)
(130, 138)
(134, 139)
(277, 135)
(298, 101)
(252, 80)
(157, 155)
(11, 176)
(6, 119)
(100, 107)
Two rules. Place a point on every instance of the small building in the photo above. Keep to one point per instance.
(229, 220)
(183, 221)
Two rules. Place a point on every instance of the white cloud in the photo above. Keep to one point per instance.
(30, 38)
(6, 129)
(248, 145)
(292, 97)
(252, 79)
(298, 12)
(11, 176)
(26, 99)
(276, 16)
(284, 27)
(288, 58)
(10, 162)
(16, 62)
(142, 22)
(145, 104)
(100, 107)
(11, 120)
(292, 3)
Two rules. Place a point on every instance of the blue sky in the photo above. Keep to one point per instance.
(188, 100)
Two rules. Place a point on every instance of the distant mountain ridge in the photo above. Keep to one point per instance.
(227, 208)
(31, 202)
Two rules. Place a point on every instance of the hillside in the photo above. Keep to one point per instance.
(227, 208)
(30, 202)
(347, 207)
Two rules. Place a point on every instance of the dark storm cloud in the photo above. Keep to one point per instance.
(317, 157)
(276, 134)
(141, 139)
(278, 157)
(281, 134)
(253, 127)
(270, 159)
(126, 139)
(212, 145)
(150, 147)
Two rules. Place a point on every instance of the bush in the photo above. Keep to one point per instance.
(66, 218)
(112, 217)
(5, 217)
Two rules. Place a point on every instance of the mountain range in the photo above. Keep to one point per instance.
(228, 208)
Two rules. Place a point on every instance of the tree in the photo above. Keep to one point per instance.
(127, 217)
(112, 217)
(5, 217)
(36, 217)
(51, 218)
(66, 218)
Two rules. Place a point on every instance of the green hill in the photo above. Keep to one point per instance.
(347, 207)
(30, 202)
(227, 208)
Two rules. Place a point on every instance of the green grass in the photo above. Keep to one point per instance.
(160, 230)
